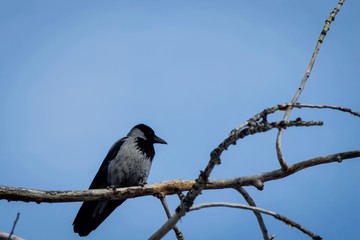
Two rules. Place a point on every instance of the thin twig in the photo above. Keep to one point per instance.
(283, 107)
(202, 180)
(260, 210)
(258, 216)
(178, 233)
(323, 33)
(341, 109)
(14, 225)
(258, 182)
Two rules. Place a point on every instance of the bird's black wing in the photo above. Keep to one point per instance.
(91, 214)
(100, 179)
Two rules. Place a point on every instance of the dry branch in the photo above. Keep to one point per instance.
(11, 236)
(258, 181)
(173, 187)
(6, 236)
(164, 188)
(20, 194)
(257, 124)
(165, 205)
(258, 216)
(258, 210)
(322, 36)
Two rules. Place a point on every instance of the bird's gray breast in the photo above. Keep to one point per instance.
(130, 167)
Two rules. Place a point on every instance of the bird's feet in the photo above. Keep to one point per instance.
(113, 187)
(142, 184)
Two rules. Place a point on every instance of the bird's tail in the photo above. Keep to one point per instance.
(92, 214)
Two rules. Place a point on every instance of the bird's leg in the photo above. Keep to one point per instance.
(113, 187)
(142, 184)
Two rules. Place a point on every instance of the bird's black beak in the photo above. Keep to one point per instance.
(159, 140)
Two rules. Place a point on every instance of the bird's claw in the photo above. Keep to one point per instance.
(113, 187)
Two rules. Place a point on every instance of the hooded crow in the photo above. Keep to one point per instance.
(127, 163)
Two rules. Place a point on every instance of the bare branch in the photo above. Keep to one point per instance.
(258, 216)
(178, 233)
(202, 180)
(259, 210)
(285, 106)
(11, 236)
(341, 109)
(258, 181)
(250, 127)
(164, 188)
(323, 33)
(6, 236)
(14, 225)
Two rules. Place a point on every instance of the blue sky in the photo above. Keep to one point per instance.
(77, 75)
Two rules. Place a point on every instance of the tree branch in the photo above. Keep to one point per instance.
(11, 236)
(164, 188)
(14, 225)
(322, 36)
(250, 127)
(258, 216)
(256, 124)
(6, 236)
(257, 181)
(178, 233)
(258, 210)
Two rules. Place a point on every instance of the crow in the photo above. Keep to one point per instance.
(127, 163)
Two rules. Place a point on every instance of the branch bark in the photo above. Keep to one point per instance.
(258, 216)
(6, 236)
(296, 97)
(165, 188)
(258, 210)
(165, 205)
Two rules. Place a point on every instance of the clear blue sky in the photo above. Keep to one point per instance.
(77, 75)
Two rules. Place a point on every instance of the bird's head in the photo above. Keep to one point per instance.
(145, 132)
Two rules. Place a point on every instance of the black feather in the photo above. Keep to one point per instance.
(100, 179)
(85, 221)
(146, 148)
(128, 162)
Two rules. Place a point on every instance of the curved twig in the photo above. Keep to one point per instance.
(202, 180)
(258, 216)
(259, 210)
(258, 182)
(322, 36)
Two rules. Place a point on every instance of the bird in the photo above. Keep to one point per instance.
(126, 164)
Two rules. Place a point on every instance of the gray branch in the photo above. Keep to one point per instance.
(6, 236)
(300, 89)
(256, 181)
(258, 216)
(258, 210)
(164, 188)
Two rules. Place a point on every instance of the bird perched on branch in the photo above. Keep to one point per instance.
(127, 164)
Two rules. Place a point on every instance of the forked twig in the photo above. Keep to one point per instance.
(202, 180)
(323, 33)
